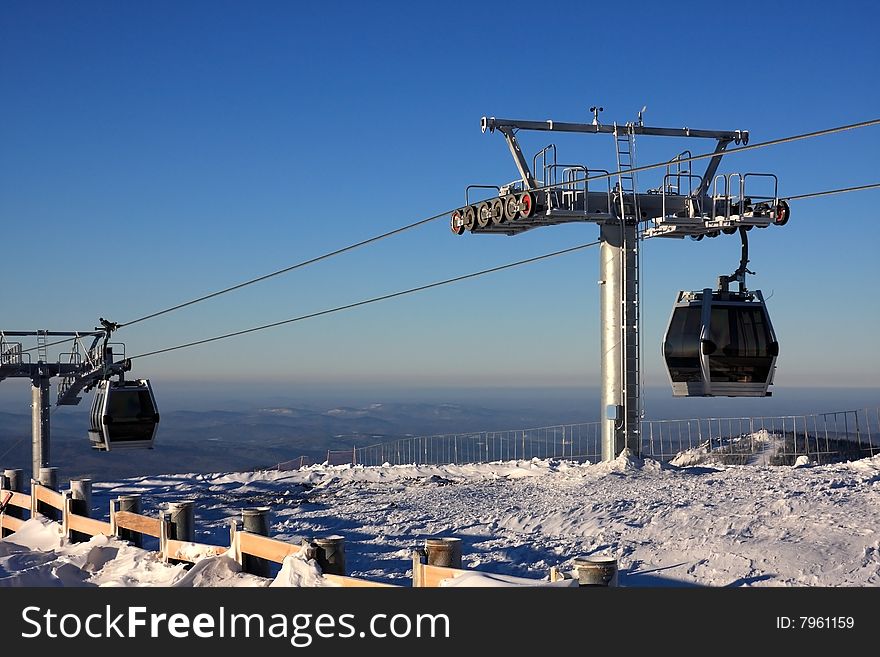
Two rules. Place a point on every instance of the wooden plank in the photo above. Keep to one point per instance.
(265, 547)
(10, 523)
(137, 523)
(431, 575)
(192, 552)
(88, 525)
(340, 580)
(21, 500)
(49, 496)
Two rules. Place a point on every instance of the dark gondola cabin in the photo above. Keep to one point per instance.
(720, 344)
(123, 416)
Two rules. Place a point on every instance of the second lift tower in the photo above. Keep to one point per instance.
(549, 193)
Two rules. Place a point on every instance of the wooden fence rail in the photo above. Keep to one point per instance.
(9, 523)
(262, 547)
(427, 575)
(20, 500)
(73, 522)
(188, 551)
(134, 522)
(242, 542)
(40, 493)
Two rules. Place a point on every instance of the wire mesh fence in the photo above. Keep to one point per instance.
(577, 442)
(293, 464)
(777, 440)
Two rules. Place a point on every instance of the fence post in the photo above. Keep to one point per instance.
(419, 558)
(132, 504)
(596, 571)
(175, 523)
(4, 485)
(48, 479)
(557, 575)
(164, 532)
(255, 521)
(443, 552)
(15, 482)
(181, 516)
(80, 504)
(330, 554)
(234, 543)
(16, 479)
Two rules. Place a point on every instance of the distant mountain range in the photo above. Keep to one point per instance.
(262, 436)
(218, 441)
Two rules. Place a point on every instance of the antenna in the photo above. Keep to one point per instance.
(641, 112)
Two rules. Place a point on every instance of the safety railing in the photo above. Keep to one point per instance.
(780, 440)
(675, 170)
(11, 353)
(822, 437)
(695, 209)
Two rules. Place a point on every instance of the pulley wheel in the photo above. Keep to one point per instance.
(782, 214)
(470, 217)
(526, 205)
(511, 207)
(483, 214)
(496, 211)
(457, 222)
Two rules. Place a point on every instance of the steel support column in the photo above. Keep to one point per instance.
(40, 408)
(619, 395)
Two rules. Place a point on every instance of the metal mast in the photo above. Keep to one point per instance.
(618, 317)
(619, 263)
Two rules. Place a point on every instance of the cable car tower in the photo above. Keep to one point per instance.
(121, 421)
(686, 204)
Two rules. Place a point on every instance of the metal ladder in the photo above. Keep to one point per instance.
(42, 347)
(625, 141)
(624, 137)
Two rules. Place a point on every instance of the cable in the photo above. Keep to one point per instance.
(372, 300)
(843, 190)
(434, 217)
(21, 440)
(798, 197)
(3, 455)
(310, 261)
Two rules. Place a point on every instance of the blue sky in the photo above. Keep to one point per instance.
(155, 152)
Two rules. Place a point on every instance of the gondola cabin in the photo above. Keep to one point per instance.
(124, 415)
(720, 344)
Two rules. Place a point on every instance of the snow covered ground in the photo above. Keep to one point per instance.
(701, 525)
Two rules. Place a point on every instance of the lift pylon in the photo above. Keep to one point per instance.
(80, 369)
(685, 204)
